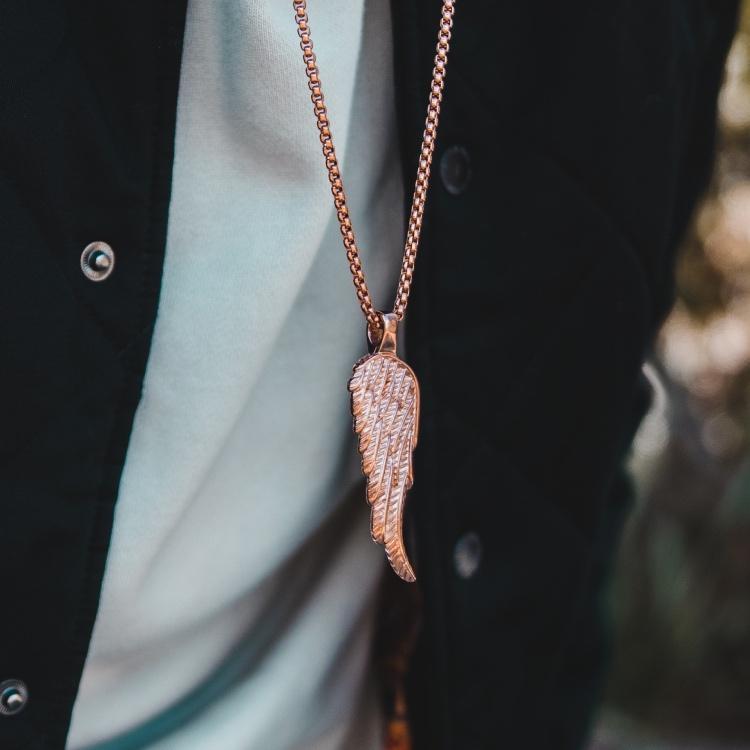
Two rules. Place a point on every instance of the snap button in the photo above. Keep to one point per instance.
(455, 169)
(14, 695)
(467, 555)
(97, 261)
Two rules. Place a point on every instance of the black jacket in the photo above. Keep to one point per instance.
(575, 140)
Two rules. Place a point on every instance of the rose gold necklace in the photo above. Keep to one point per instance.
(384, 389)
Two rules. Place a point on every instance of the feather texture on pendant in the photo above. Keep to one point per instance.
(385, 406)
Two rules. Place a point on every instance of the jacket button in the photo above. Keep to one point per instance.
(455, 170)
(14, 695)
(467, 554)
(97, 261)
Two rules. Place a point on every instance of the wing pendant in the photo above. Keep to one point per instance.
(385, 406)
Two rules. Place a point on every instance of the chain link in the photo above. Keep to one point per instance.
(373, 317)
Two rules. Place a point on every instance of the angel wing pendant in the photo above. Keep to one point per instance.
(385, 407)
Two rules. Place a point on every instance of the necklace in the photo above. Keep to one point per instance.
(384, 389)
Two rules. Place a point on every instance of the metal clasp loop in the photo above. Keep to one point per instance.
(388, 337)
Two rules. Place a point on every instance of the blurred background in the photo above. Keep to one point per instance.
(680, 596)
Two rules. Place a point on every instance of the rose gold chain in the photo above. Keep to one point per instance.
(423, 170)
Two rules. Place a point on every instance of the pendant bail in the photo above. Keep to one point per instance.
(388, 337)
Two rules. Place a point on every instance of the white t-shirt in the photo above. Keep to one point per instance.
(238, 597)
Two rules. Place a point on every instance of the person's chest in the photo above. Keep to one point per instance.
(241, 457)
